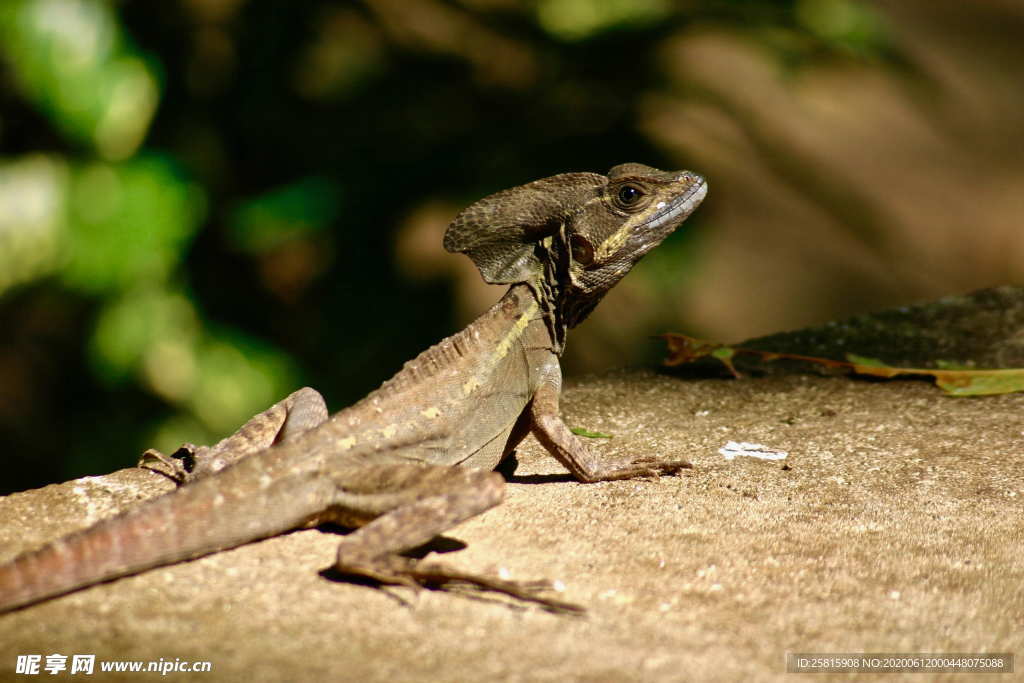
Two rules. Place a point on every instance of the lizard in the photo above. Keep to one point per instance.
(416, 456)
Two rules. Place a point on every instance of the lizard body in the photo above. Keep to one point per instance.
(414, 457)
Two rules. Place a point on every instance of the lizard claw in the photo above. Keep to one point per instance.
(379, 574)
(638, 467)
(657, 467)
(177, 466)
(433, 573)
(406, 571)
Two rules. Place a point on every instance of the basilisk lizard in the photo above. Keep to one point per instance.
(415, 457)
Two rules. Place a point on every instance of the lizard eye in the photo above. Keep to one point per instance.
(582, 250)
(629, 195)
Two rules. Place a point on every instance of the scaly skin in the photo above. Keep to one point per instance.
(413, 458)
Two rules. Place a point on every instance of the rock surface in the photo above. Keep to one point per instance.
(895, 524)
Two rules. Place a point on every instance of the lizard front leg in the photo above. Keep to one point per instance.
(296, 414)
(427, 500)
(567, 448)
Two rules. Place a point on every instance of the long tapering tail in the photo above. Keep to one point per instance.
(240, 505)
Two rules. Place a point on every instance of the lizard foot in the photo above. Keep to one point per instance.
(656, 467)
(406, 571)
(638, 467)
(177, 466)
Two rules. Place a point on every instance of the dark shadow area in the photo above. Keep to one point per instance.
(541, 478)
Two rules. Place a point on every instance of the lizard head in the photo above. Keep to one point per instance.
(573, 236)
(631, 213)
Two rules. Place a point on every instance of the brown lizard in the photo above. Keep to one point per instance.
(415, 457)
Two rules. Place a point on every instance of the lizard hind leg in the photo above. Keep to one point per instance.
(446, 497)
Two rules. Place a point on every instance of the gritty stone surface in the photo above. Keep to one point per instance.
(895, 524)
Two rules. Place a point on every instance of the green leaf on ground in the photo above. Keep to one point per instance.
(966, 381)
(580, 431)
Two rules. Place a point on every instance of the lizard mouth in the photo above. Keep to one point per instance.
(669, 216)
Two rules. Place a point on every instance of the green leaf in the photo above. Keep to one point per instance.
(724, 353)
(580, 431)
(952, 365)
(981, 382)
(864, 360)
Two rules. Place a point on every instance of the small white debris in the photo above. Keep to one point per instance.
(615, 597)
(735, 449)
(558, 586)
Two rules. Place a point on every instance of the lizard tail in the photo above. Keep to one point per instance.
(201, 518)
(122, 545)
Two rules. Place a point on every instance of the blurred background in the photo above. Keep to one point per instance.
(205, 204)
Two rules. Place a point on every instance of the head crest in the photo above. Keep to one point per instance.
(500, 232)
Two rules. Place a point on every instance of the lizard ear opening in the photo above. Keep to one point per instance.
(501, 232)
(582, 250)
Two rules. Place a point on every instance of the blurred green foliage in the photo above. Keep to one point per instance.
(127, 224)
(199, 200)
(73, 62)
(580, 19)
(266, 222)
